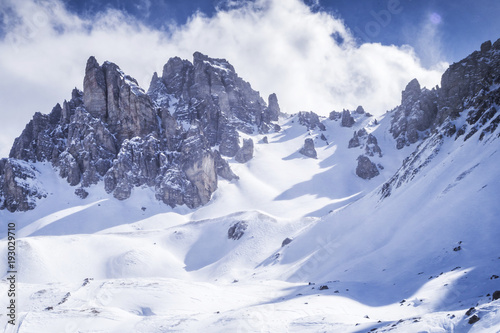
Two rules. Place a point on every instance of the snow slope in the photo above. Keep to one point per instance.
(415, 261)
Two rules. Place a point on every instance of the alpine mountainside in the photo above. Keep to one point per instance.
(345, 223)
(171, 138)
(466, 105)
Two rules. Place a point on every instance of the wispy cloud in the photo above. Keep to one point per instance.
(277, 45)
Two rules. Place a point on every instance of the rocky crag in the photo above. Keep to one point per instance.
(117, 134)
(464, 107)
(175, 137)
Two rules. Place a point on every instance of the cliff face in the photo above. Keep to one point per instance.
(174, 137)
(469, 85)
(464, 106)
(116, 133)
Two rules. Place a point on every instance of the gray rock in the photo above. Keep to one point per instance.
(245, 153)
(486, 46)
(35, 143)
(366, 169)
(95, 89)
(68, 168)
(69, 108)
(116, 98)
(357, 138)
(416, 113)
(334, 115)
(308, 149)
(286, 241)
(19, 185)
(347, 119)
(198, 163)
(223, 168)
(174, 189)
(496, 45)
(114, 132)
(273, 107)
(81, 193)
(237, 230)
(91, 146)
(372, 146)
(229, 143)
(210, 91)
(360, 110)
(310, 120)
(354, 141)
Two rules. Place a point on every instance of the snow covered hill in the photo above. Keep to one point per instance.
(297, 243)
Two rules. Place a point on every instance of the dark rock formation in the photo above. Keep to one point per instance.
(496, 295)
(286, 241)
(273, 109)
(372, 147)
(347, 119)
(465, 85)
(237, 230)
(360, 110)
(222, 167)
(416, 113)
(369, 141)
(116, 98)
(334, 115)
(19, 187)
(81, 193)
(245, 153)
(210, 91)
(366, 169)
(310, 120)
(116, 133)
(308, 149)
(355, 141)
(471, 84)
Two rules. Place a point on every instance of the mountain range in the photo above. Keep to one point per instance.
(199, 206)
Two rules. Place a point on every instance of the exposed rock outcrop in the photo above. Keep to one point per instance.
(19, 187)
(334, 115)
(237, 230)
(366, 169)
(245, 153)
(116, 133)
(308, 149)
(360, 110)
(472, 84)
(355, 141)
(372, 148)
(347, 119)
(222, 167)
(310, 120)
(416, 113)
(210, 91)
(117, 99)
(362, 139)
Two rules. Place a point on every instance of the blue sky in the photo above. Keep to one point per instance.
(459, 24)
(318, 55)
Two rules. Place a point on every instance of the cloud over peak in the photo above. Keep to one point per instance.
(308, 57)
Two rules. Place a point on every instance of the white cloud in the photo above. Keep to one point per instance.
(277, 45)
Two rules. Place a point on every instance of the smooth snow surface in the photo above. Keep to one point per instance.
(415, 261)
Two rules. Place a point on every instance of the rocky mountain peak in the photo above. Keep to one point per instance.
(470, 90)
(115, 133)
(412, 90)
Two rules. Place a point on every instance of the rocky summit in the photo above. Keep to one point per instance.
(170, 138)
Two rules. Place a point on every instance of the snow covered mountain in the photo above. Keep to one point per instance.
(196, 206)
